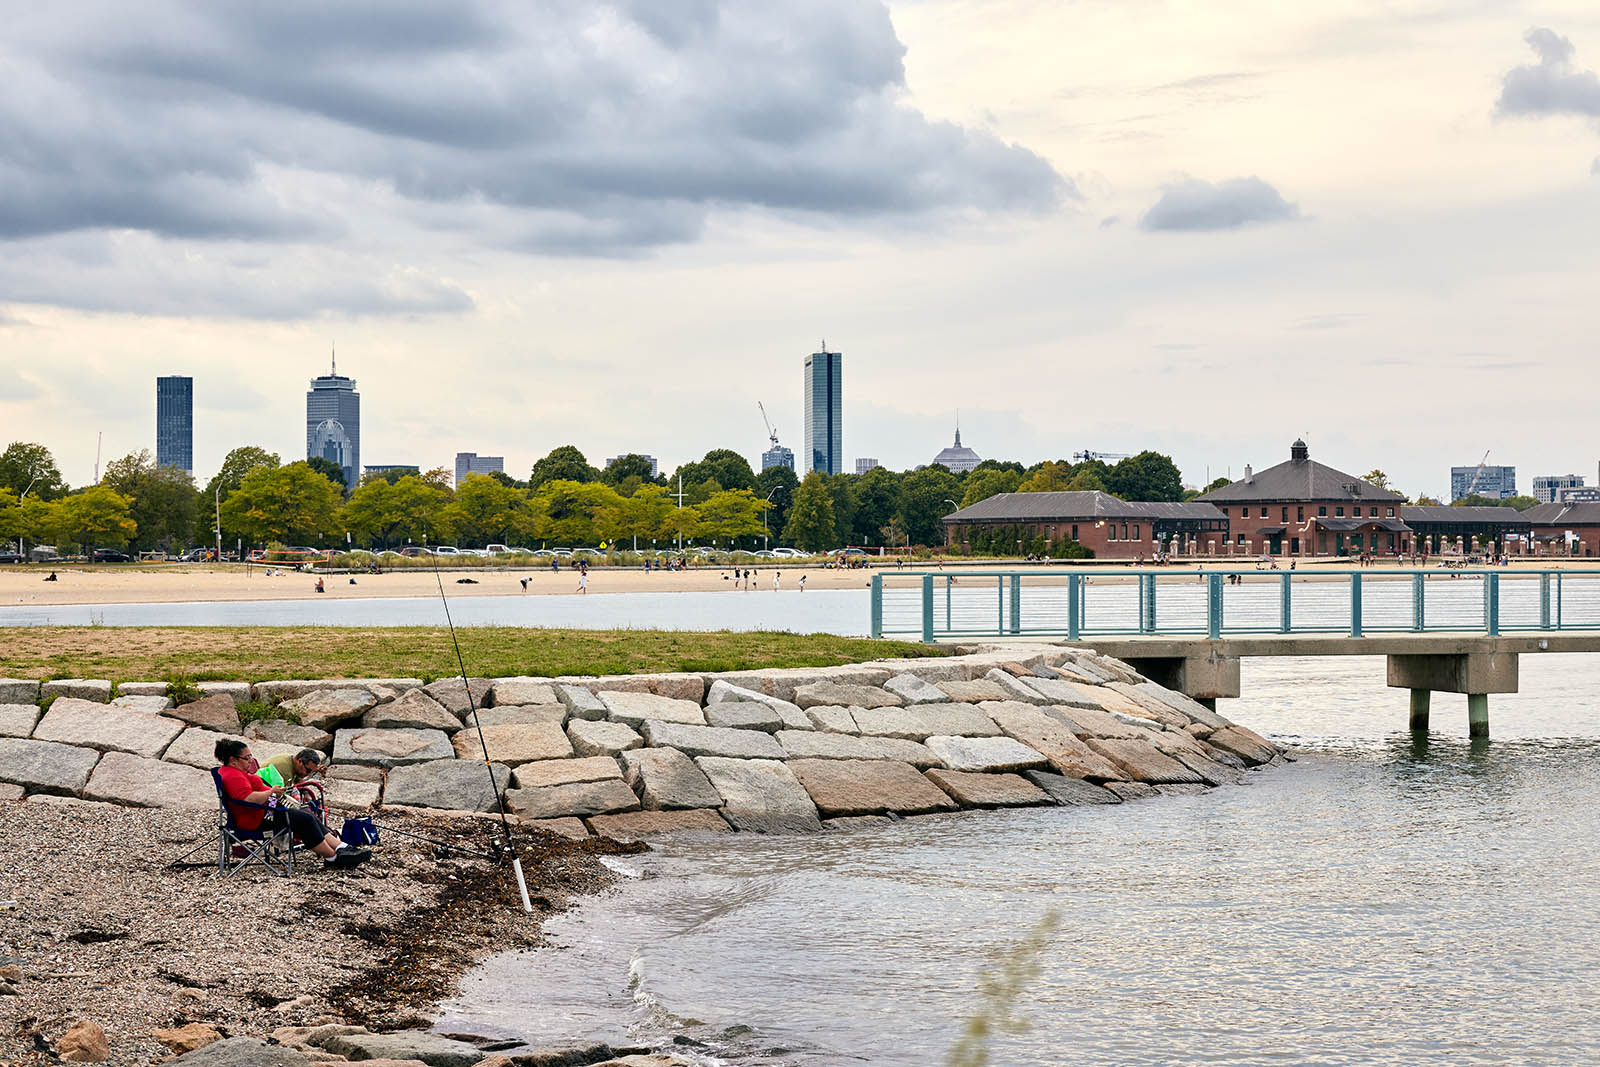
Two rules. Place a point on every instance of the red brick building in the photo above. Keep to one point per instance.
(1305, 508)
(1108, 527)
(1565, 529)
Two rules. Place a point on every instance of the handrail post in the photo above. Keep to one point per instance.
(1544, 601)
(877, 605)
(1419, 602)
(1000, 605)
(1285, 601)
(1560, 587)
(1214, 606)
(1491, 604)
(927, 609)
(1074, 621)
(1355, 604)
(1016, 603)
(949, 583)
(1147, 603)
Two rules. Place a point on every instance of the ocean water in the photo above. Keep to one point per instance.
(1384, 899)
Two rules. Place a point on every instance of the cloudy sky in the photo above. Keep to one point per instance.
(1107, 224)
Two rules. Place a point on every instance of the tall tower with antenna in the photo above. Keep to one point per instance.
(333, 421)
(824, 402)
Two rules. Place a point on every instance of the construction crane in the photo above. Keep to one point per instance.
(1472, 488)
(1087, 454)
(772, 433)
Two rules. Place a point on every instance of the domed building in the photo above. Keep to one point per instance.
(957, 459)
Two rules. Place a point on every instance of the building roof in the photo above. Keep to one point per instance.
(1346, 525)
(1299, 478)
(1564, 513)
(1443, 514)
(1082, 506)
(957, 457)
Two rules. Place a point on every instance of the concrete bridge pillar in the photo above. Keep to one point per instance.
(1203, 677)
(1477, 674)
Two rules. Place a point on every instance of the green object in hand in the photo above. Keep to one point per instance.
(269, 774)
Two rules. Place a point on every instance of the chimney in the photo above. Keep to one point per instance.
(1249, 475)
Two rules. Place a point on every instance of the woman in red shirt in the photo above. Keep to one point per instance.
(240, 782)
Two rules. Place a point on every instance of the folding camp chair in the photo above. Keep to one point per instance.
(265, 847)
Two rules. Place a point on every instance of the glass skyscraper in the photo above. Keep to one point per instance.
(175, 423)
(333, 423)
(824, 412)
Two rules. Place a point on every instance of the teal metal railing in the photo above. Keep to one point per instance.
(935, 605)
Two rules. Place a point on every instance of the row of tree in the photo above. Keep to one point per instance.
(564, 501)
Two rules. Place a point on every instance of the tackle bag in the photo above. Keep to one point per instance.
(359, 830)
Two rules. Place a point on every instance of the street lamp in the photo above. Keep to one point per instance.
(764, 519)
(20, 499)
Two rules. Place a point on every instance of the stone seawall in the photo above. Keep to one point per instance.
(636, 756)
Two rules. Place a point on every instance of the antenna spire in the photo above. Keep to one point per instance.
(333, 360)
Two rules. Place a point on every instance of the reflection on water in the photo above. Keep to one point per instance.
(1384, 900)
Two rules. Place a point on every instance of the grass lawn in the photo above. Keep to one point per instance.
(262, 653)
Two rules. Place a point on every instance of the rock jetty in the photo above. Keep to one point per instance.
(634, 757)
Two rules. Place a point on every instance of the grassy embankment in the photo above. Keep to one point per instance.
(261, 653)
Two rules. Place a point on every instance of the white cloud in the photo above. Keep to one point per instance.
(1193, 204)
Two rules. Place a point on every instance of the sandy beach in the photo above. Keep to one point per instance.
(176, 584)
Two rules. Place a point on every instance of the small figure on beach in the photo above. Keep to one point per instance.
(524, 585)
(352, 581)
(777, 580)
(320, 588)
(802, 583)
(466, 581)
(583, 580)
(52, 577)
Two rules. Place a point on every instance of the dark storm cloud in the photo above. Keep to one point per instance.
(1553, 86)
(1200, 205)
(589, 129)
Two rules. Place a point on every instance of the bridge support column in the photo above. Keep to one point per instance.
(1478, 715)
(1419, 710)
(1477, 674)
(1205, 677)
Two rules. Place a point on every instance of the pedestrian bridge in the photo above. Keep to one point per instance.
(1447, 629)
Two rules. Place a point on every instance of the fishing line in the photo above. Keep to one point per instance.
(488, 765)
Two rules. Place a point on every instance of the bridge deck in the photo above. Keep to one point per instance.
(1380, 644)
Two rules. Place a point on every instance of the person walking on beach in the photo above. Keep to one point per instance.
(583, 580)
(320, 588)
(777, 580)
(802, 583)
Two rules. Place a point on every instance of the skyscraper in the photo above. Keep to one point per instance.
(333, 422)
(175, 423)
(777, 456)
(1496, 483)
(824, 411)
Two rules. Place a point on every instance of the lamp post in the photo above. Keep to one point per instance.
(20, 499)
(216, 503)
(764, 519)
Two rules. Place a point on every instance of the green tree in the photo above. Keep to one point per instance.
(1215, 484)
(1377, 478)
(381, 515)
(29, 468)
(484, 512)
(1047, 477)
(842, 491)
(162, 500)
(570, 512)
(329, 470)
(725, 466)
(235, 465)
(96, 517)
(923, 503)
(811, 522)
(983, 484)
(730, 514)
(1149, 476)
(506, 480)
(292, 504)
(10, 516)
(999, 465)
(622, 468)
(777, 485)
(877, 500)
(1087, 480)
(1518, 503)
(641, 516)
(563, 464)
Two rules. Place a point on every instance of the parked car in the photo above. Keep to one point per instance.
(589, 553)
(496, 550)
(446, 550)
(789, 553)
(110, 555)
(8, 556)
(413, 551)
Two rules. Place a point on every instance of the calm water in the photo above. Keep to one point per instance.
(1380, 901)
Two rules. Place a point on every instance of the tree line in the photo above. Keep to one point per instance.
(564, 501)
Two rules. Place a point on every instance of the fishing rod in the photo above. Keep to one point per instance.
(509, 847)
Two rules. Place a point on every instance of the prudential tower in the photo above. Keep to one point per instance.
(333, 422)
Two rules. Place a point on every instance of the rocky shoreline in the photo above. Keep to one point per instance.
(101, 787)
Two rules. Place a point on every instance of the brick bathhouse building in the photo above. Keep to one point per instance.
(1562, 529)
(1305, 508)
(1108, 527)
(1441, 528)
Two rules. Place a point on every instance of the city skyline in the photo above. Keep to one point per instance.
(1219, 252)
(175, 422)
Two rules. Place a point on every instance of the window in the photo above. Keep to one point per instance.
(1285, 514)
(1074, 531)
(1124, 531)
(1391, 513)
(1111, 531)
(1136, 532)
(1224, 511)
(1338, 512)
(1240, 540)
(1300, 515)
(1322, 511)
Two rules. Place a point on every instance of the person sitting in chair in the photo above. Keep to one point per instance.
(241, 783)
(301, 774)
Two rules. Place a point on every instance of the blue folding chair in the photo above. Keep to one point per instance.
(263, 847)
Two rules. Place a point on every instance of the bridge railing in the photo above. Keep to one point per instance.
(940, 604)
